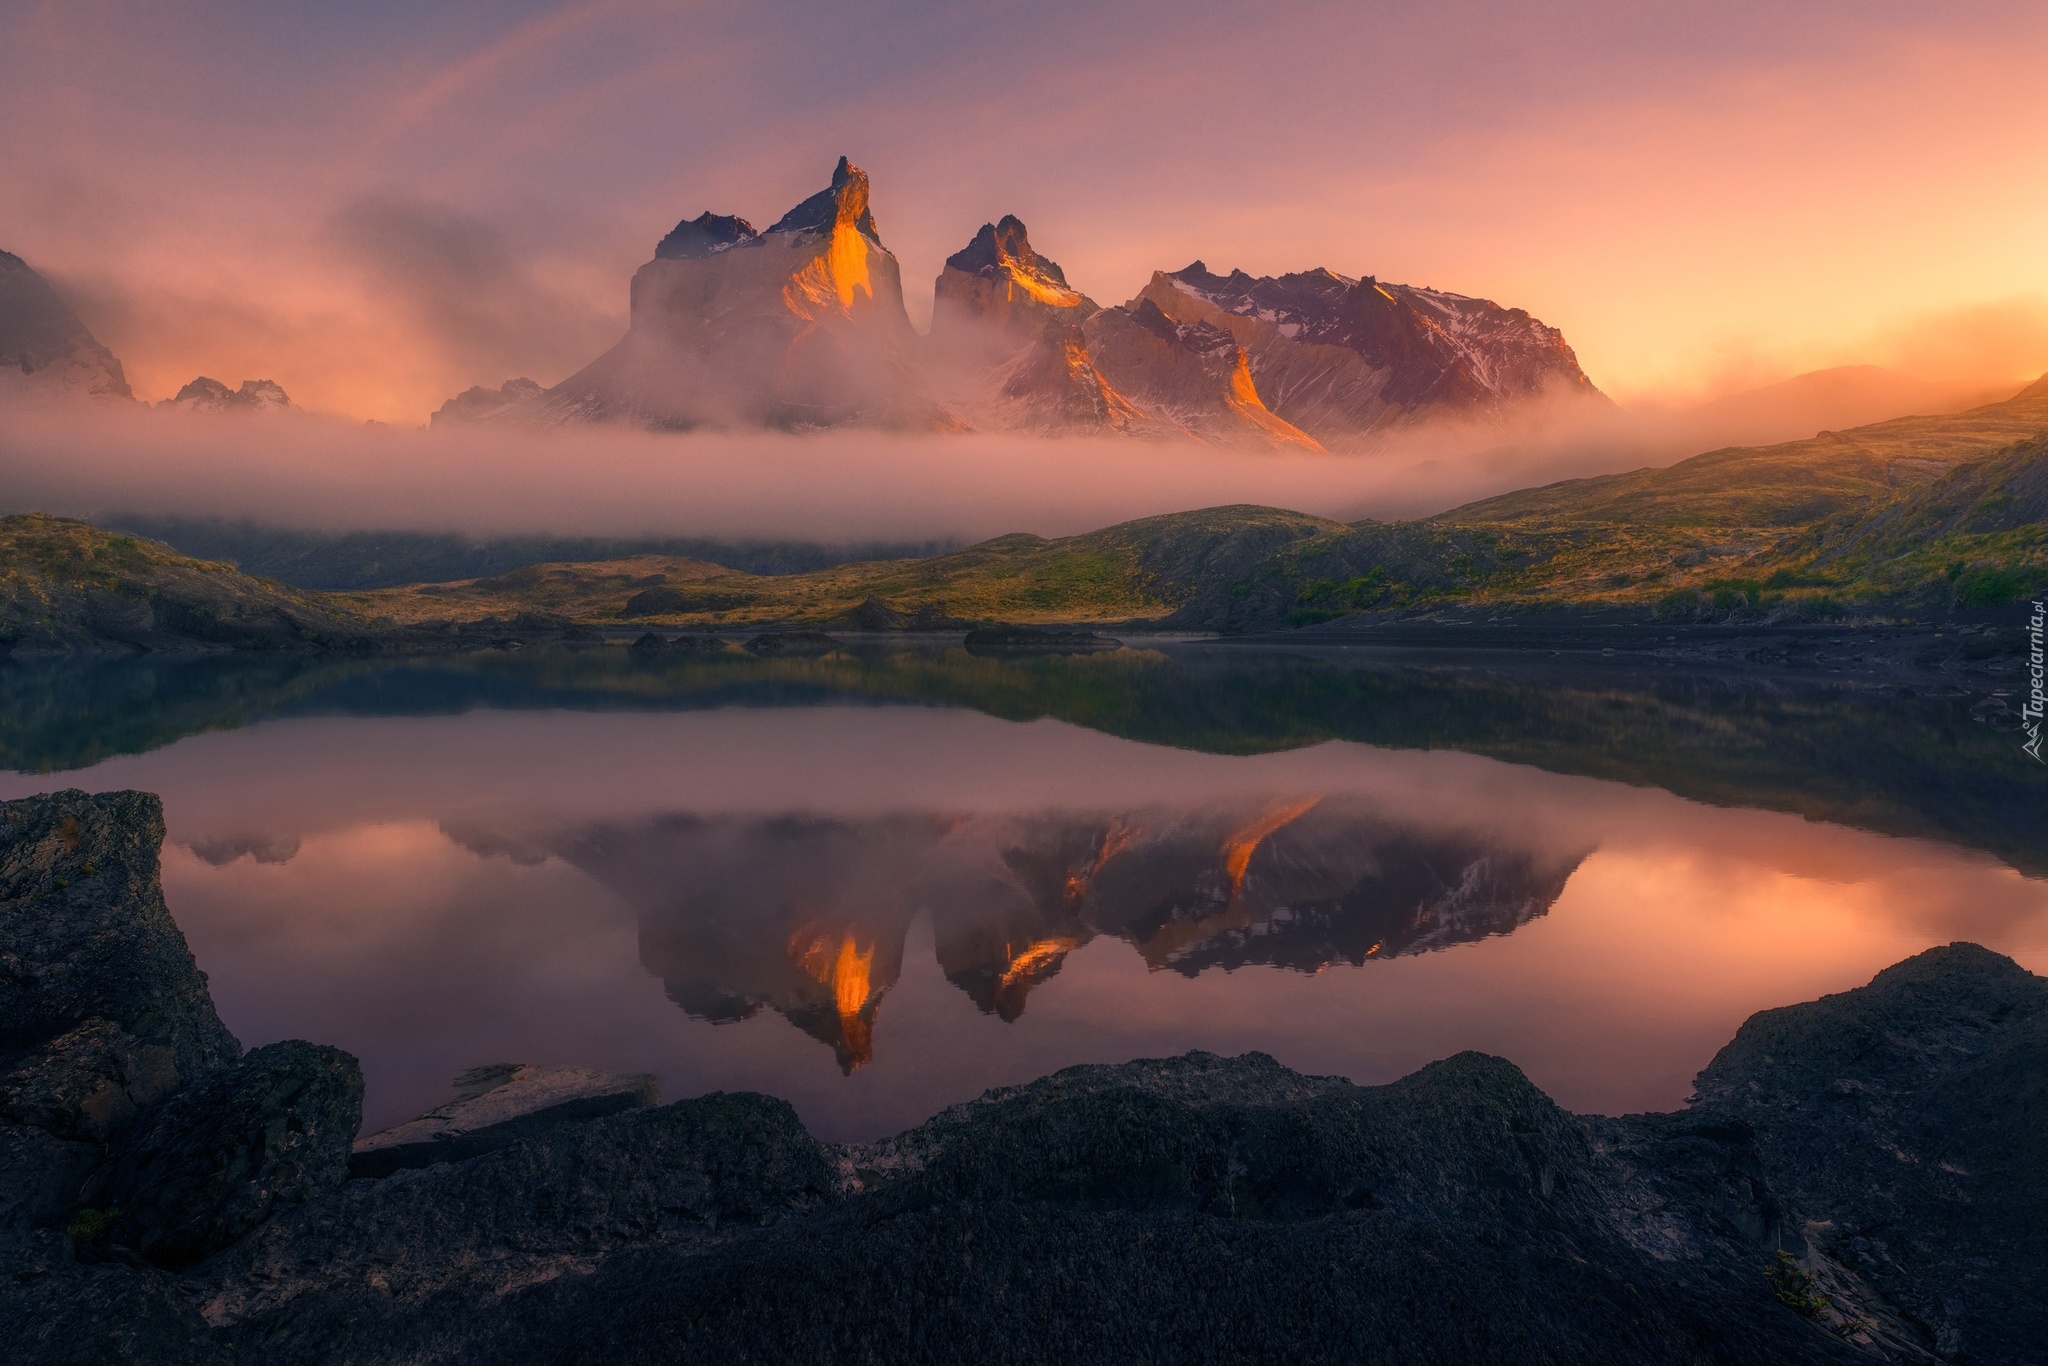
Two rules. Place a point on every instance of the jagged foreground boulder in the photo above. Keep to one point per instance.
(44, 349)
(127, 1118)
(800, 326)
(1861, 1179)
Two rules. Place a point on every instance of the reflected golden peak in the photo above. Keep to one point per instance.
(1115, 840)
(1245, 841)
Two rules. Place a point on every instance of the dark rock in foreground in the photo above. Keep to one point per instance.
(1861, 1179)
(85, 939)
(224, 1155)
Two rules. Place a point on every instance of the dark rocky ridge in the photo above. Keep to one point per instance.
(1886, 1140)
(207, 395)
(704, 235)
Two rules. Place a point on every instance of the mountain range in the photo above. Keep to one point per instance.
(803, 326)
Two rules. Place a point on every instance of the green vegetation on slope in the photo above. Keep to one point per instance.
(67, 585)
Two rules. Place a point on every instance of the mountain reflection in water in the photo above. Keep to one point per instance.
(971, 873)
(808, 916)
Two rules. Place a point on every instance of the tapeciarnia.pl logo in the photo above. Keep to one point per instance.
(2030, 713)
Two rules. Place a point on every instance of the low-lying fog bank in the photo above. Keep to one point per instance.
(297, 470)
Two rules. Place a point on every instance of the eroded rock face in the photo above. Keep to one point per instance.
(85, 936)
(797, 327)
(223, 1155)
(1341, 358)
(373, 1258)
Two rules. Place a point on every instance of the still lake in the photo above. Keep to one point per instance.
(881, 882)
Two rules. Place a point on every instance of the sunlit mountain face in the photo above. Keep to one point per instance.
(808, 916)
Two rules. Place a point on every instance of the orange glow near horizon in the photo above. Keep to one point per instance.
(1809, 188)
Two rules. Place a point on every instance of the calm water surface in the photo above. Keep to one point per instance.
(881, 883)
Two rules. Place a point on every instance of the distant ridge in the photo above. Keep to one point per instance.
(44, 345)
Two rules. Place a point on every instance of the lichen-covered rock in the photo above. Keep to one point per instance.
(1906, 1124)
(380, 1253)
(89, 1082)
(56, 1312)
(85, 934)
(220, 1157)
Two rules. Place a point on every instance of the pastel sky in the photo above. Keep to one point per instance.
(381, 203)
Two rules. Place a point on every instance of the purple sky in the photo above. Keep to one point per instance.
(379, 204)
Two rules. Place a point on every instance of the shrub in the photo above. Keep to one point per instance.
(1988, 587)
(91, 1225)
(1794, 1288)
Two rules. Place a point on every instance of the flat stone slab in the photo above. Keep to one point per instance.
(498, 1105)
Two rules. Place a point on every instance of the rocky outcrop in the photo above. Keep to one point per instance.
(222, 1156)
(130, 1127)
(1906, 1125)
(997, 294)
(498, 1105)
(1341, 358)
(1033, 640)
(204, 395)
(792, 644)
(478, 404)
(800, 326)
(95, 978)
(45, 350)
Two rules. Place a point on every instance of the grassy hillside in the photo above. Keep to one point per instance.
(1144, 569)
(1807, 527)
(67, 585)
(347, 560)
(1791, 484)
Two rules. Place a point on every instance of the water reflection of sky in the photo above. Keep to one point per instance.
(875, 912)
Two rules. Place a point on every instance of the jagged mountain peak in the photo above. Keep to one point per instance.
(998, 294)
(208, 395)
(1005, 247)
(845, 201)
(47, 344)
(705, 235)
